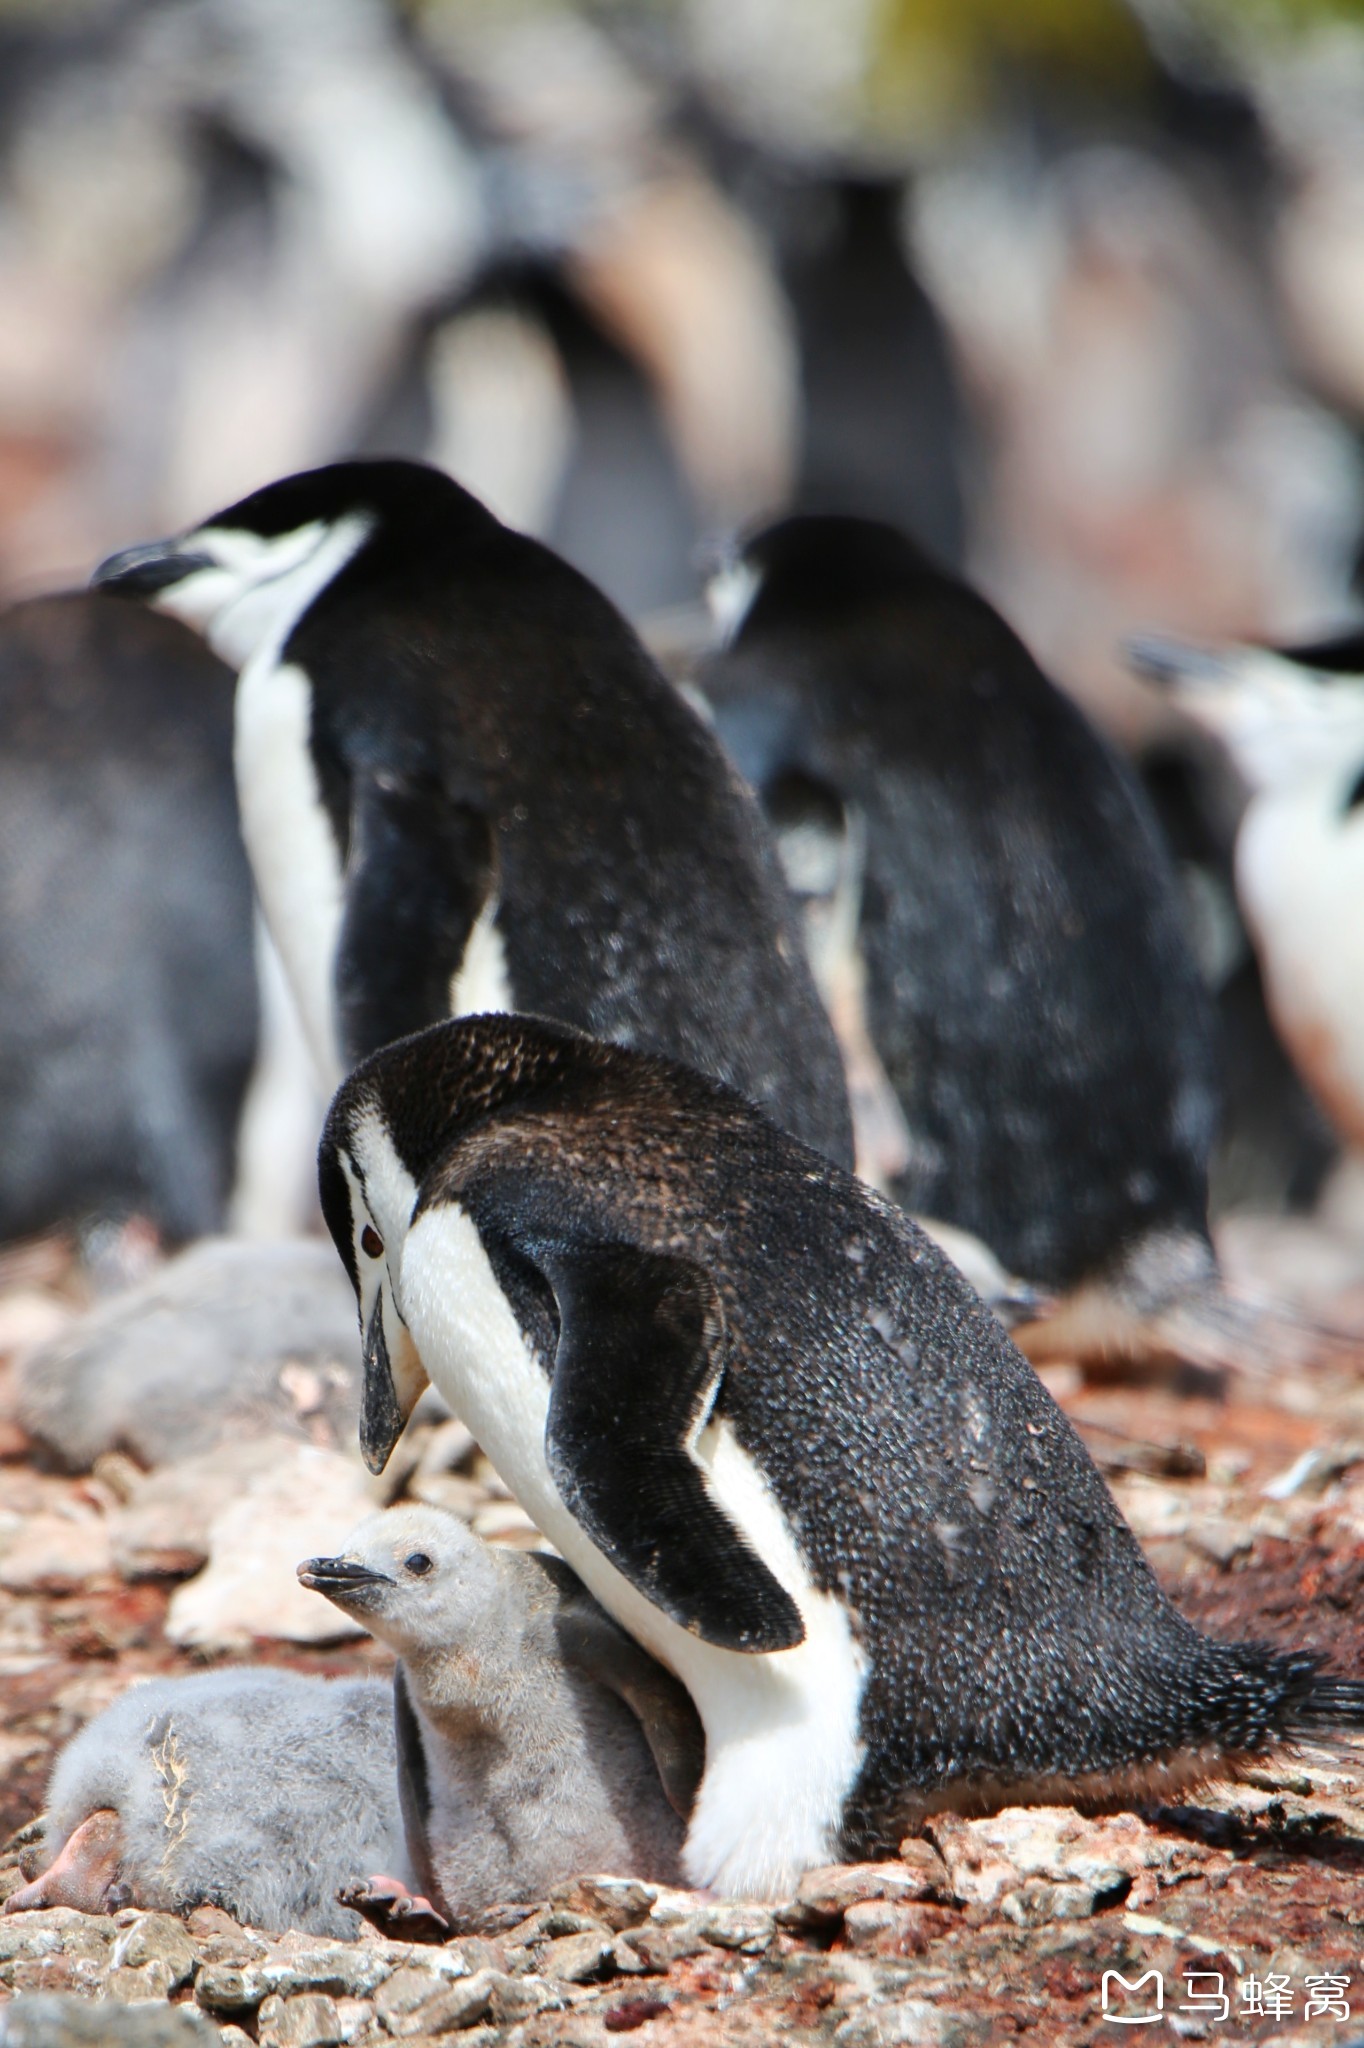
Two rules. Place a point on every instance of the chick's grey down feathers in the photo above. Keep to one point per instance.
(259, 1791)
(536, 1740)
(1017, 1642)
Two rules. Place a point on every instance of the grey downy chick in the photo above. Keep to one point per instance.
(536, 1740)
(259, 1791)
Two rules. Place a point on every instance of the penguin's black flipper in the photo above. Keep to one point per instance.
(414, 1784)
(419, 870)
(590, 1642)
(639, 1359)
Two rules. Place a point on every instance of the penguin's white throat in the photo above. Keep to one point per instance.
(256, 587)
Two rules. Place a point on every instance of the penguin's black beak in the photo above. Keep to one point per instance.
(1170, 663)
(340, 1578)
(142, 571)
(381, 1418)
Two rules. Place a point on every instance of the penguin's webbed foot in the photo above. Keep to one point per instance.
(388, 1905)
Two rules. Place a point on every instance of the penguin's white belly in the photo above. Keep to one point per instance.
(481, 982)
(1300, 878)
(288, 835)
(782, 1742)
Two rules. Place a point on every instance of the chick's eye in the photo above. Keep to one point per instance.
(419, 1562)
(371, 1243)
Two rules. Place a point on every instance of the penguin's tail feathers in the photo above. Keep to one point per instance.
(1329, 1708)
(1262, 1699)
(1322, 1723)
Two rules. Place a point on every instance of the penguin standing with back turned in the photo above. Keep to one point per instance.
(1028, 984)
(783, 1443)
(465, 786)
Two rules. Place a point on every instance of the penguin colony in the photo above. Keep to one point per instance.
(765, 1421)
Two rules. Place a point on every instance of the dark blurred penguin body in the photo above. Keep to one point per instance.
(780, 1440)
(526, 1719)
(883, 421)
(465, 786)
(1028, 986)
(128, 1000)
(1275, 1147)
(259, 1791)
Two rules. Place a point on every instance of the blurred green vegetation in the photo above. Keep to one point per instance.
(934, 63)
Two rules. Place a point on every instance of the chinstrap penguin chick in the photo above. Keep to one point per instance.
(256, 1790)
(536, 1739)
(1021, 953)
(465, 786)
(781, 1440)
(1293, 725)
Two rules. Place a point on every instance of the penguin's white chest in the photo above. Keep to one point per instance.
(782, 1742)
(1300, 879)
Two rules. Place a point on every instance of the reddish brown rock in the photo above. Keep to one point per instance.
(824, 1896)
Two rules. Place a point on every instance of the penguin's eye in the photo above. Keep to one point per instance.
(419, 1563)
(371, 1243)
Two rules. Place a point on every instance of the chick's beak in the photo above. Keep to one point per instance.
(340, 1578)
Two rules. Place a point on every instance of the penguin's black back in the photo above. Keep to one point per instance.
(639, 898)
(1015, 1631)
(1029, 987)
(127, 982)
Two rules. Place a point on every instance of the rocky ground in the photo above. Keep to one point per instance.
(1248, 1902)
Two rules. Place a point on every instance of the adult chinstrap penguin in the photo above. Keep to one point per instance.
(1020, 947)
(1292, 723)
(464, 785)
(780, 1440)
(536, 1739)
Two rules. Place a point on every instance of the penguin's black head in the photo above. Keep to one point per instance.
(402, 1109)
(395, 1124)
(811, 566)
(244, 577)
(387, 1125)
(1286, 721)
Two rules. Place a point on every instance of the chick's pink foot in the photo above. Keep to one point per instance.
(388, 1905)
